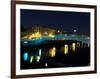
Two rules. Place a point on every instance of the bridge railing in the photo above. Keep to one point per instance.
(81, 38)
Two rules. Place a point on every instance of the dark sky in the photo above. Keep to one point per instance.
(66, 21)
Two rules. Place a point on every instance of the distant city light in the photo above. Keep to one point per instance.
(38, 35)
(58, 30)
(51, 35)
(33, 39)
(25, 42)
(26, 56)
(31, 36)
(35, 35)
(75, 30)
(45, 33)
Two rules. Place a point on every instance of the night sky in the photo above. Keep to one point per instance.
(67, 21)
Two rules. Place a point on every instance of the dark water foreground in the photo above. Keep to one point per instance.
(38, 55)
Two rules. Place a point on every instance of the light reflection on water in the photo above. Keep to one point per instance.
(31, 59)
(78, 45)
(51, 55)
(38, 58)
(65, 49)
(40, 52)
(25, 56)
(73, 46)
(52, 52)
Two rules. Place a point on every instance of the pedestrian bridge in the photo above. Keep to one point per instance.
(82, 38)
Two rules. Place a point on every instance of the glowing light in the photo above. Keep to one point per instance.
(25, 56)
(88, 37)
(25, 42)
(37, 35)
(75, 30)
(38, 58)
(40, 52)
(78, 44)
(31, 36)
(65, 49)
(51, 35)
(88, 44)
(31, 59)
(33, 39)
(73, 46)
(45, 33)
(46, 64)
(52, 52)
(25, 37)
(58, 30)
